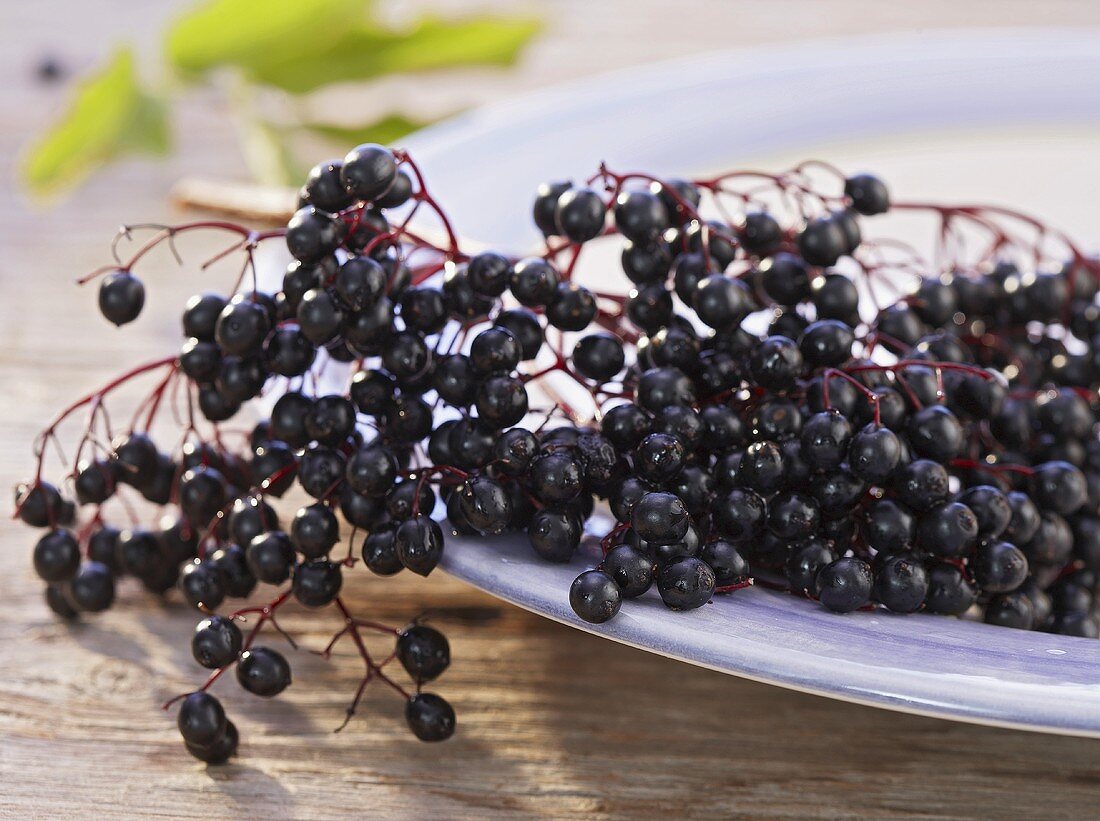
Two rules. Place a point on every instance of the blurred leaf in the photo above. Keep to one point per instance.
(384, 131)
(110, 116)
(254, 34)
(365, 51)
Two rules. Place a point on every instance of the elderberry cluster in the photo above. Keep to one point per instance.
(747, 409)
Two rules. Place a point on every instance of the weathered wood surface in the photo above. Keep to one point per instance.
(552, 722)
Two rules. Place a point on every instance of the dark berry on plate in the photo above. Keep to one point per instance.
(595, 597)
(901, 583)
(686, 583)
(631, 570)
(844, 585)
(949, 592)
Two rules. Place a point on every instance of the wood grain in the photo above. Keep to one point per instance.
(552, 722)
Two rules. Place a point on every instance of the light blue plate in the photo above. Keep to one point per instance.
(722, 110)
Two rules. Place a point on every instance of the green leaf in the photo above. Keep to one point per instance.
(366, 52)
(255, 34)
(386, 130)
(110, 116)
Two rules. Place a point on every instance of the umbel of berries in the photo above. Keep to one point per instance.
(743, 411)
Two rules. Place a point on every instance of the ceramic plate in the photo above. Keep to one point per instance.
(990, 113)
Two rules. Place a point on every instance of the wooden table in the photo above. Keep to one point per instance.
(552, 722)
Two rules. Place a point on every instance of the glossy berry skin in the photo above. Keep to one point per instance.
(202, 584)
(423, 651)
(430, 717)
(380, 552)
(804, 563)
(659, 387)
(555, 534)
(533, 282)
(200, 360)
(571, 308)
(949, 530)
(948, 592)
(658, 458)
(324, 188)
(489, 273)
(314, 530)
(844, 585)
(241, 328)
(874, 453)
(793, 516)
(121, 297)
(991, 507)
(556, 477)
(525, 327)
(263, 672)
(419, 544)
(1011, 610)
(359, 282)
(501, 401)
(201, 719)
(221, 750)
(368, 171)
(1058, 487)
(200, 316)
(721, 302)
(319, 315)
(901, 583)
(486, 504)
(599, 356)
(579, 214)
(317, 582)
(921, 484)
(868, 194)
(822, 242)
(724, 558)
(888, 526)
(92, 589)
(760, 233)
(762, 468)
(270, 556)
(776, 363)
(631, 570)
(785, 278)
(686, 584)
(57, 556)
(998, 567)
(935, 433)
(546, 201)
(660, 518)
(640, 216)
(595, 597)
(216, 642)
(321, 469)
(825, 438)
(826, 343)
(313, 234)
(372, 470)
